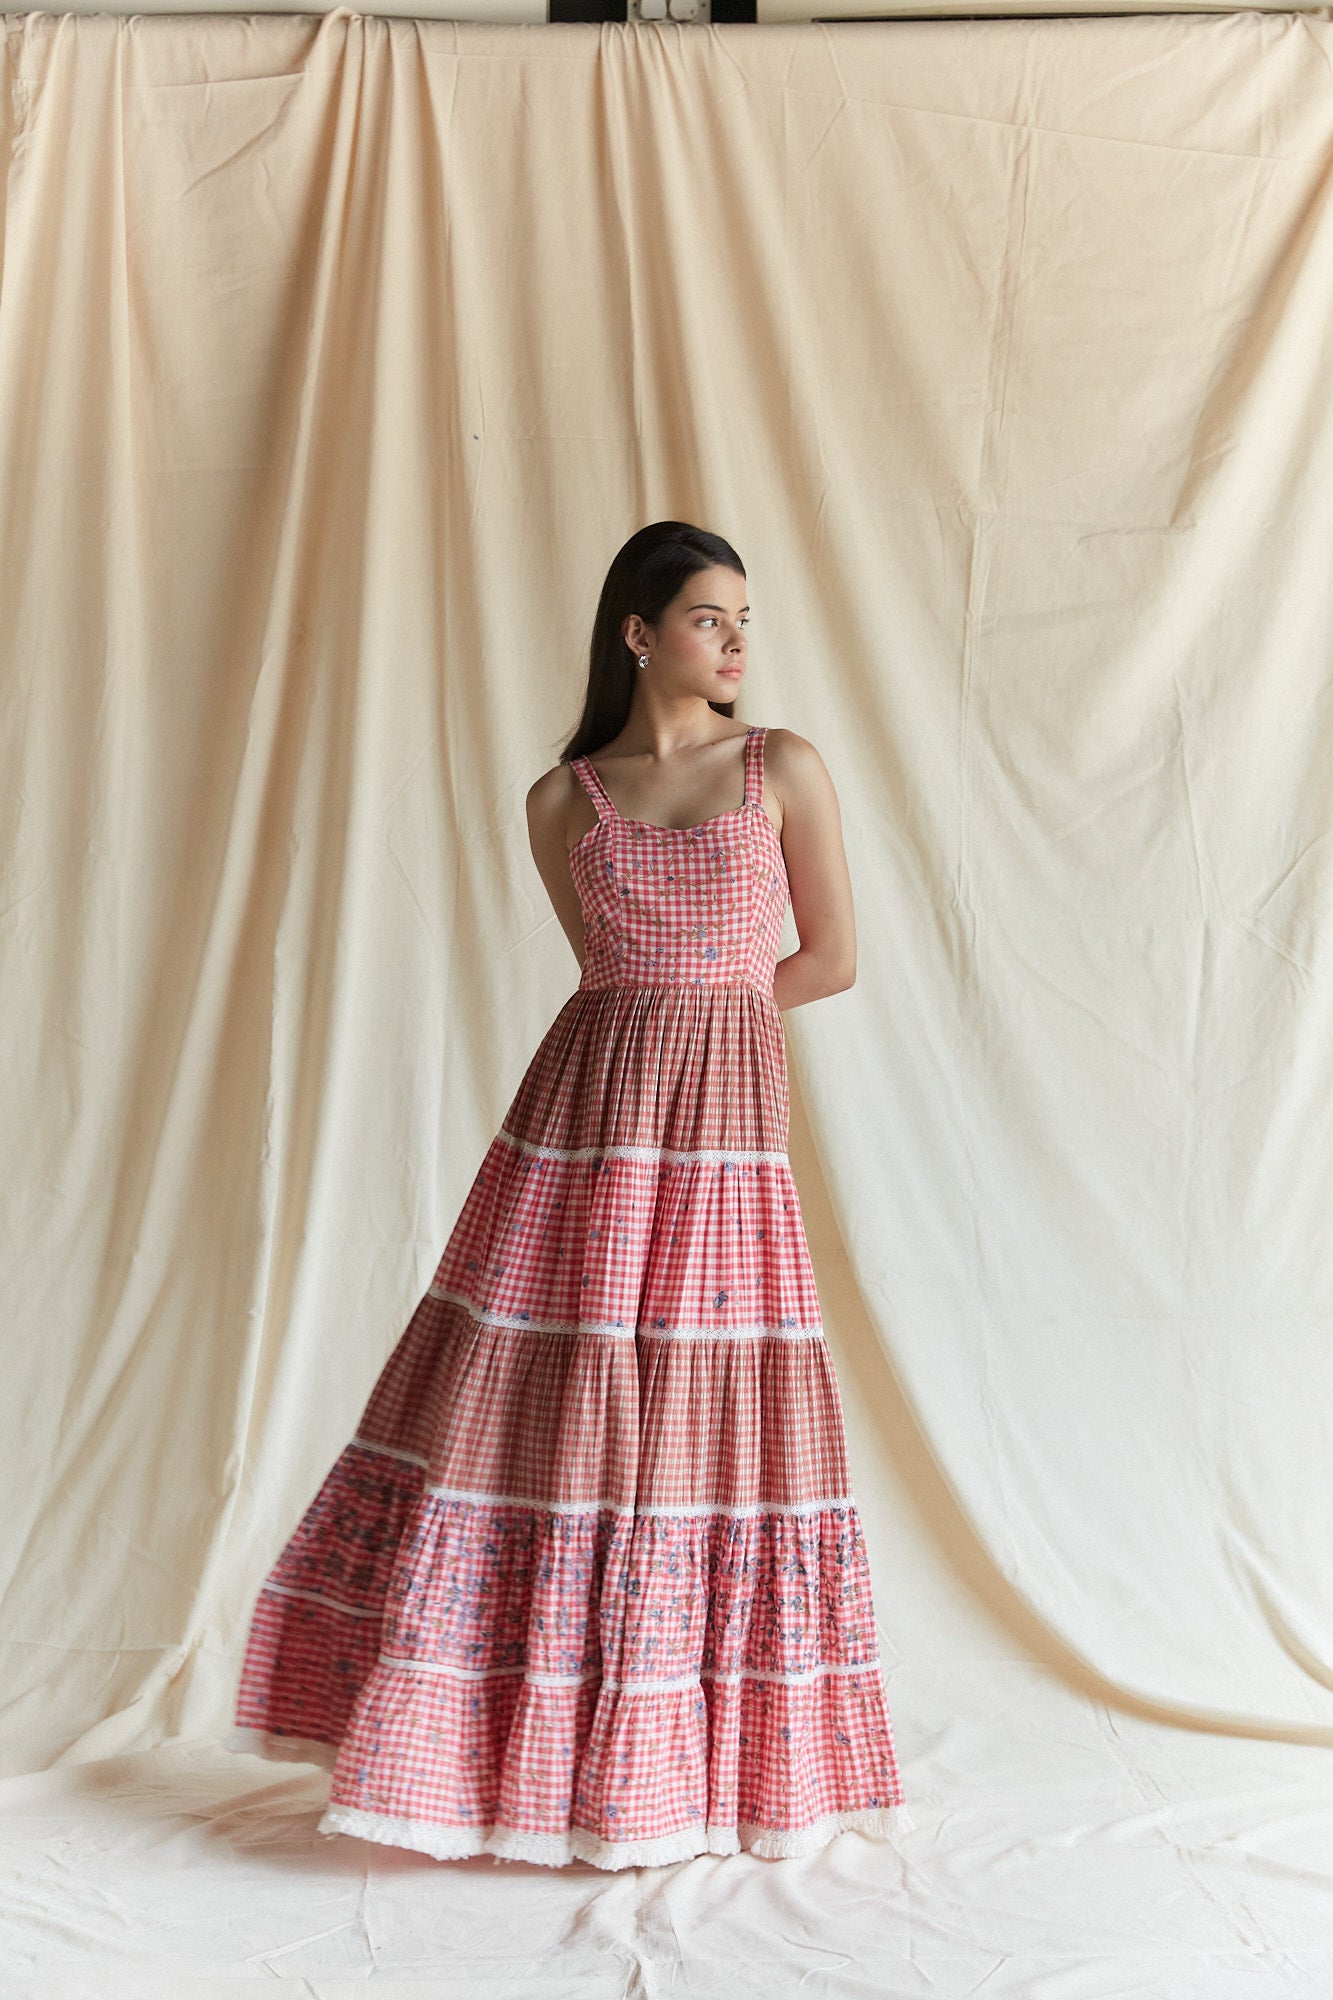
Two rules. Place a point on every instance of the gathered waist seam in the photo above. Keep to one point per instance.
(672, 986)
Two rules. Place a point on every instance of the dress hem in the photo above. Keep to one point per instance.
(555, 1850)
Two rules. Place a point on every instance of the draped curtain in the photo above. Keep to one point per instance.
(338, 355)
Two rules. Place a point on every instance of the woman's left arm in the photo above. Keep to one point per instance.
(821, 887)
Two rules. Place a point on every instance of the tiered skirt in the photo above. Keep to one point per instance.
(589, 1582)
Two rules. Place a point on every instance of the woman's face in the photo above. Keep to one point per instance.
(699, 644)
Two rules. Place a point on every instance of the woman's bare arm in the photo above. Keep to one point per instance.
(821, 887)
(552, 805)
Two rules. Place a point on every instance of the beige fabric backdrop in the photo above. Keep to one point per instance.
(337, 357)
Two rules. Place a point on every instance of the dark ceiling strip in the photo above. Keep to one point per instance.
(586, 10)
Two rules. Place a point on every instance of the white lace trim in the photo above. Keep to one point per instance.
(556, 1850)
(710, 1155)
(633, 1684)
(391, 1451)
(318, 1597)
(514, 1322)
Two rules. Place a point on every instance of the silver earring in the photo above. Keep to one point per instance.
(643, 659)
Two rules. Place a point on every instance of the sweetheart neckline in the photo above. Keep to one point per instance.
(623, 819)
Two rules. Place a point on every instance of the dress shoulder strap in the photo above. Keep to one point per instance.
(587, 775)
(754, 767)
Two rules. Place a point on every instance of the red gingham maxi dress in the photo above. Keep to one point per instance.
(589, 1582)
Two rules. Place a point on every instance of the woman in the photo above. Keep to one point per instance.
(589, 1582)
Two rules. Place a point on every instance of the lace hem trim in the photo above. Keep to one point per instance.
(556, 1850)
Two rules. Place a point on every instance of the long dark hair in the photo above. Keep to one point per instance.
(653, 565)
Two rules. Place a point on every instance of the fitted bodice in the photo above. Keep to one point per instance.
(681, 905)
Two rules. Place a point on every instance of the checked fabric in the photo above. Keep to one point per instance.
(589, 1582)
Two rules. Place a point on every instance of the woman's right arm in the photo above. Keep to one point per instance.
(552, 822)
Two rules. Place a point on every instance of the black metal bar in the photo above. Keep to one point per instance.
(587, 10)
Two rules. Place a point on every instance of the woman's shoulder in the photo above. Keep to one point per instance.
(785, 750)
(550, 794)
(796, 774)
